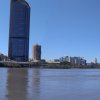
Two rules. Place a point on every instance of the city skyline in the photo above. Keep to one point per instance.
(69, 27)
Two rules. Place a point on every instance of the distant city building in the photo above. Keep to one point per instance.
(19, 30)
(65, 59)
(73, 60)
(53, 61)
(95, 61)
(36, 52)
(56, 60)
(3, 57)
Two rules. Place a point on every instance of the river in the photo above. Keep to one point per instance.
(49, 84)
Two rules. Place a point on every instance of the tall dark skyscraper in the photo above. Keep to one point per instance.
(19, 30)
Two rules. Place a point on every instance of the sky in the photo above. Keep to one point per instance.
(61, 27)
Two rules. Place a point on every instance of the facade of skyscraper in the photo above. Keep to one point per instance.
(19, 30)
(36, 52)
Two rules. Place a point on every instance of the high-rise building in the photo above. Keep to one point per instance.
(19, 30)
(95, 61)
(36, 52)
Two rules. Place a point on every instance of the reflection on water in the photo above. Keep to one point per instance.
(49, 84)
(34, 84)
(17, 83)
(3, 80)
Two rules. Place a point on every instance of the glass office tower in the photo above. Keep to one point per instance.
(19, 31)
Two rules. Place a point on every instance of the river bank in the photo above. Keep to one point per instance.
(46, 65)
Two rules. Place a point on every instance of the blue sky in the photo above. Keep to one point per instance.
(62, 27)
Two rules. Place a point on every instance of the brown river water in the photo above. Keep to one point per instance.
(49, 84)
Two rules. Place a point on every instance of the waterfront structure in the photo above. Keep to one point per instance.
(37, 52)
(19, 31)
(73, 60)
